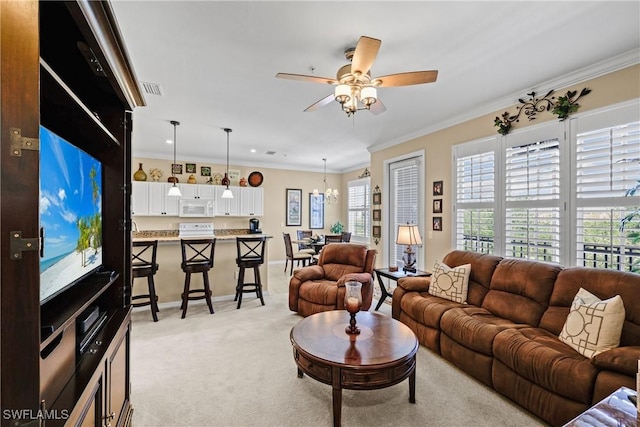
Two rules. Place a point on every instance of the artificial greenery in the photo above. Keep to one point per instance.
(566, 105)
(562, 107)
(337, 228)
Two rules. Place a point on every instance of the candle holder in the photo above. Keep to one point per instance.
(353, 304)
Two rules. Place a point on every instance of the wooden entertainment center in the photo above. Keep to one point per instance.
(65, 67)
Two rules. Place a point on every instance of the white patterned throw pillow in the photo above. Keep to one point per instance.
(593, 325)
(450, 283)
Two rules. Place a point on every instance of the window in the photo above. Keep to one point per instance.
(404, 205)
(358, 210)
(607, 165)
(475, 197)
(554, 192)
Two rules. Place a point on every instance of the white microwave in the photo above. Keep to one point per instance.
(196, 208)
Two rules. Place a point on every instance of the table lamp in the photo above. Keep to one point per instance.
(409, 235)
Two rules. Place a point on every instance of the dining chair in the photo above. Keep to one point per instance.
(294, 256)
(304, 247)
(332, 238)
(346, 236)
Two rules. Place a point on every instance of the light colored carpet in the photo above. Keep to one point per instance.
(236, 368)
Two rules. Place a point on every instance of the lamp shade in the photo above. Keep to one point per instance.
(342, 93)
(174, 191)
(408, 235)
(227, 194)
(368, 95)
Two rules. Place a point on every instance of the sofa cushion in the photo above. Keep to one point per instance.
(538, 355)
(603, 284)
(482, 268)
(621, 359)
(593, 325)
(520, 290)
(451, 283)
(323, 292)
(426, 309)
(474, 327)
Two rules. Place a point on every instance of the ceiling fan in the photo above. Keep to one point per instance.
(354, 84)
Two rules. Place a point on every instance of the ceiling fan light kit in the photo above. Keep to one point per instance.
(355, 89)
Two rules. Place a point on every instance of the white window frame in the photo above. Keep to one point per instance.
(365, 209)
(567, 203)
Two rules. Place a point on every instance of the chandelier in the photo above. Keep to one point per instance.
(355, 91)
(330, 196)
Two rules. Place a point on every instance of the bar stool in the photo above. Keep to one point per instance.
(197, 257)
(143, 264)
(250, 255)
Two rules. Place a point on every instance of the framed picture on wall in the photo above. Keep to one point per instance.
(377, 198)
(190, 167)
(316, 211)
(376, 231)
(205, 170)
(176, 168)
(376, 215)
(437, 206)
(438, 189)
(437, 223)
(294, 207)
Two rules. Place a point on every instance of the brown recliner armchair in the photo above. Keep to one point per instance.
(320, 287)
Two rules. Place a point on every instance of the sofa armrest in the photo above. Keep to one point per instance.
(363, 278)
(621, 359)
(419, 284)
(312, 272)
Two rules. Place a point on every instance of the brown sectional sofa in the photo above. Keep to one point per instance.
(506, 335)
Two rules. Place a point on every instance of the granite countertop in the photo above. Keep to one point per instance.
(173, 235)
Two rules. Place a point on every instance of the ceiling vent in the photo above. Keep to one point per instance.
(271, 153)
(152, 88)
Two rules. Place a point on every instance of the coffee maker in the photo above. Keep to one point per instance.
(254, 226)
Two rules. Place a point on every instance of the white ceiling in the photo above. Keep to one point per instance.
(216, 64)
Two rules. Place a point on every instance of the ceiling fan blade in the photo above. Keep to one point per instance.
(311, 79)
(324, 101)
(378, 107)
(364, 55)
(407, 79)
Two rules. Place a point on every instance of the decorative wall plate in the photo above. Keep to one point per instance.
(255, 179)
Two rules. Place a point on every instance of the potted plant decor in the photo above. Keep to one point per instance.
(337, 228)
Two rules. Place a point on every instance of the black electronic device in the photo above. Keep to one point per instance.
(87, 339)
(87, 319)
(254, 226)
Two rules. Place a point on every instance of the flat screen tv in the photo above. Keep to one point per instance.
(70, 214)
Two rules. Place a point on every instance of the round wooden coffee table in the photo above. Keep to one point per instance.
(383, 354)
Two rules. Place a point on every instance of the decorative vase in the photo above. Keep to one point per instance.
(140, 175)
(225, 180)
(353, 304)
(243, 182)
(192, 179)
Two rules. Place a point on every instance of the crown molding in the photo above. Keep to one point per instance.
(598, 69)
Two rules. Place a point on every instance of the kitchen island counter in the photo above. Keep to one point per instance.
(169, 279)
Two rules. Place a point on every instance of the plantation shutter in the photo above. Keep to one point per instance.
(403, 204)
(607, 166)
(532, 195)
(359, 199)
(475, 197)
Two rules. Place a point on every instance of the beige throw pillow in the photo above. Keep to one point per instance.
(450, 283)
(593, 325)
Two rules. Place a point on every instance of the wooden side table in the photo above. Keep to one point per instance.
(394, 275)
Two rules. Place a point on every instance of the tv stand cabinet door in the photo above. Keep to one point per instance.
(118, 408)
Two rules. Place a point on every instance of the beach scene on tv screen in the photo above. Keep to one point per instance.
(70, 212)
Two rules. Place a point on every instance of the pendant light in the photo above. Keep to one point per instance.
(174, 190)
(330, 196)
(227, 194)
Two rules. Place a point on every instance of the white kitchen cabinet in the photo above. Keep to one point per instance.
(139, 198)
(159, 203)
(251, 201)
(227, 207)
(197, 191)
